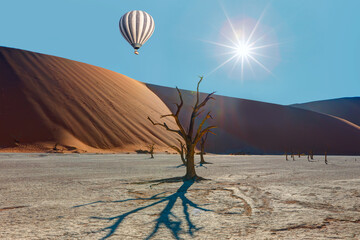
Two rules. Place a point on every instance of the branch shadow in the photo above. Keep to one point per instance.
(178, 166)
(200, 165)
(164, 219)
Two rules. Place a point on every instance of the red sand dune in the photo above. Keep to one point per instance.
(346, 108)
(257, 127)
(46, 100)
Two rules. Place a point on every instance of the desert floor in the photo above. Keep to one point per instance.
(121, 196)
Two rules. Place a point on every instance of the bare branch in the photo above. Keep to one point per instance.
(183, 151)
(197, 139)
(195, 110)
(208, 97)
(175, 148)
(164, 125)
(167, 115)
(197, 107)
(179, 150)
(176, 116)
(199, 113)
(203, 139)
(197, 92)
(202, 123)
(211, 132)
(179, 106)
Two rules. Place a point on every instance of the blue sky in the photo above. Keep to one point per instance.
(313, 54)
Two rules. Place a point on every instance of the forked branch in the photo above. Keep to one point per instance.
(164, 125)
(201, 125)
(203, 132)
(196, 108)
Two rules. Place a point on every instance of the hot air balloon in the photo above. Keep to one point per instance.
(136, 27)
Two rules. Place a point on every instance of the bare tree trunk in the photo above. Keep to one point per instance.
(182, 153)
(202, 160)
(190, 165)
(183, 159)
(326, 162)
(202, 148)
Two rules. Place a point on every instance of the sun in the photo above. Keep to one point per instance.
(243, 50)
(245, 46)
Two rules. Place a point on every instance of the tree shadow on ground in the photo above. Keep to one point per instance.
(164, 219)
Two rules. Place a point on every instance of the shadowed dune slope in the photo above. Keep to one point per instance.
(346, 108)
(46, 100)
(256, 127)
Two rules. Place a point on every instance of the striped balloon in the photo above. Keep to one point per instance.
(136, 27)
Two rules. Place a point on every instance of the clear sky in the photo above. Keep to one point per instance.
(310, 48)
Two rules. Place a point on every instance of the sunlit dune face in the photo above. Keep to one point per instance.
(248, 45)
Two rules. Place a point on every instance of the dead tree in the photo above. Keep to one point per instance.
(286, 155)
(188, 140)
(55, 147)
(326, 161)
(202, 148)
(151, 148)
(180, 150)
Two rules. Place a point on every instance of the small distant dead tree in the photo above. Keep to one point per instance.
(16, 142)
(55, 147)
(312, 155)
(286, 156)
(151, 148)
(188, 140)
(326, 161)
(292, 156)
(202, 148)
(299, 154)
(308, 157)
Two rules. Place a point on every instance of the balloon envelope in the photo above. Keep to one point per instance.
(136, 27)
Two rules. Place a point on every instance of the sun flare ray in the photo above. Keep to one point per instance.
(220, 44)
(222, 64)
(260, 64)
(256, 26)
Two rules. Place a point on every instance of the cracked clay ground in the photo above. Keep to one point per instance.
(122, 196)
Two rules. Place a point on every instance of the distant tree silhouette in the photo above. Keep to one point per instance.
(202, 149)
(326, 161)
(151, 148)
(188, 140)
(55, 147)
